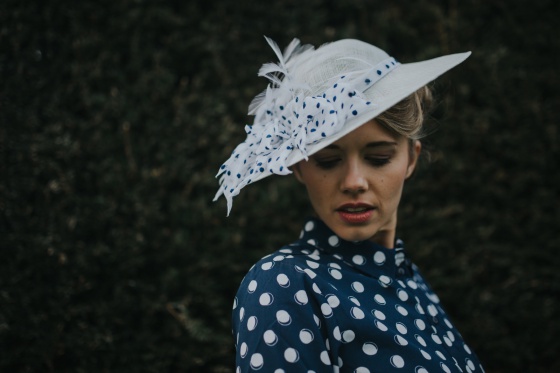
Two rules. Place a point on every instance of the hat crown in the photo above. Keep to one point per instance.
(323, 66)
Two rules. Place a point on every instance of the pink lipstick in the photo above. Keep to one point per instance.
(355, 213)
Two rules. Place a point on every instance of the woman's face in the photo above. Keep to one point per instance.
(355, 184)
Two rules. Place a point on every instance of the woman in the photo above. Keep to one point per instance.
(345, 119)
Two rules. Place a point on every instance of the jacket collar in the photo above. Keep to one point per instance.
(367, 257)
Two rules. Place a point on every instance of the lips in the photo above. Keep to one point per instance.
(355, 213)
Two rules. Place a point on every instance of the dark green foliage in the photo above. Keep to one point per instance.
(115, 116)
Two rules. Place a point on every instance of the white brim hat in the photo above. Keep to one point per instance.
(315, 98)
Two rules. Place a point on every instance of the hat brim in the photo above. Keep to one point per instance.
(399, 84)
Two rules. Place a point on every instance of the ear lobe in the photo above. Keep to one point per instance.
(414, 150)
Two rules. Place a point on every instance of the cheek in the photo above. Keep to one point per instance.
(317, 185)
(391, 184)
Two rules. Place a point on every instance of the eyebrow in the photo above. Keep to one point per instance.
(374, 144)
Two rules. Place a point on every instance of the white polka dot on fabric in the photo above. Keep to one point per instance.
(447, 341)
(315, 255)
(421, 370)
(241, 313)
(283, 317)
(325, 359)
(426, 355)
(310, 273)
(257, 361)
(306, 336)
(470, 364)
(266, 266)
(419, 308)
(362, 370)
(333, 241)
(420, 324)
(384, 281)
(369, 348)
(252, 323)
(397, 361)
(348, 336)
(436, 339)
(412, 284)
(312, 242)
(283, 280)
(433, 298)
(357, 287)
(359, 260)
(400, 340)
(333, 301)
(252, 286)
(301, 297)
(270, 338)
(445, 368)
(380, 326)
(451, 336)
(309, 226)
(432, 310)
(335, 265)
(336, 333)
(357, 313)
(401, 328)
(380, 315)
(420, 340)
(317, 321)
(400, 309)
(379, 299)
(379, 258)
(354, 300)
(234, 303)
(335, 273)
(279, 371)
(448, 324)
(467, 349)
(243, 350)
(266, 299)
(326, 310)
(403, 295)
(291, 355)
(316, 288)
(278, 258)
(440, 355)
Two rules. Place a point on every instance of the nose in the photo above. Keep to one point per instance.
(353, 180)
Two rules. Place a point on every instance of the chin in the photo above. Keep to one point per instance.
(355, 233)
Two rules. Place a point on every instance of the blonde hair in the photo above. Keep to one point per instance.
(406, 118)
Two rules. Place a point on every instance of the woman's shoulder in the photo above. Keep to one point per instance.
(280, 267)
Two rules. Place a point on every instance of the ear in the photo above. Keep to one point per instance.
(297, 172)
(414, 151)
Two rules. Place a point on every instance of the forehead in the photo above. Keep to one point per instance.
(369, 132)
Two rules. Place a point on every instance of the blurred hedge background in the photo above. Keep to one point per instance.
(115, 116)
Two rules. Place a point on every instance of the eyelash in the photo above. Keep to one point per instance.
(331, 163)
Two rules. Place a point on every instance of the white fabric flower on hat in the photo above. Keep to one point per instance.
(287, 120)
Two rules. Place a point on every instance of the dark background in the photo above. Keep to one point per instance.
(115, 116)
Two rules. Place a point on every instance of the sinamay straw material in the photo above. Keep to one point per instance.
(315, 98)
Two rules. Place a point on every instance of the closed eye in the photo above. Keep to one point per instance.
(378, 161)
(327, 163)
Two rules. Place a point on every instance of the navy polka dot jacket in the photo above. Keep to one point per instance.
(323, 304)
